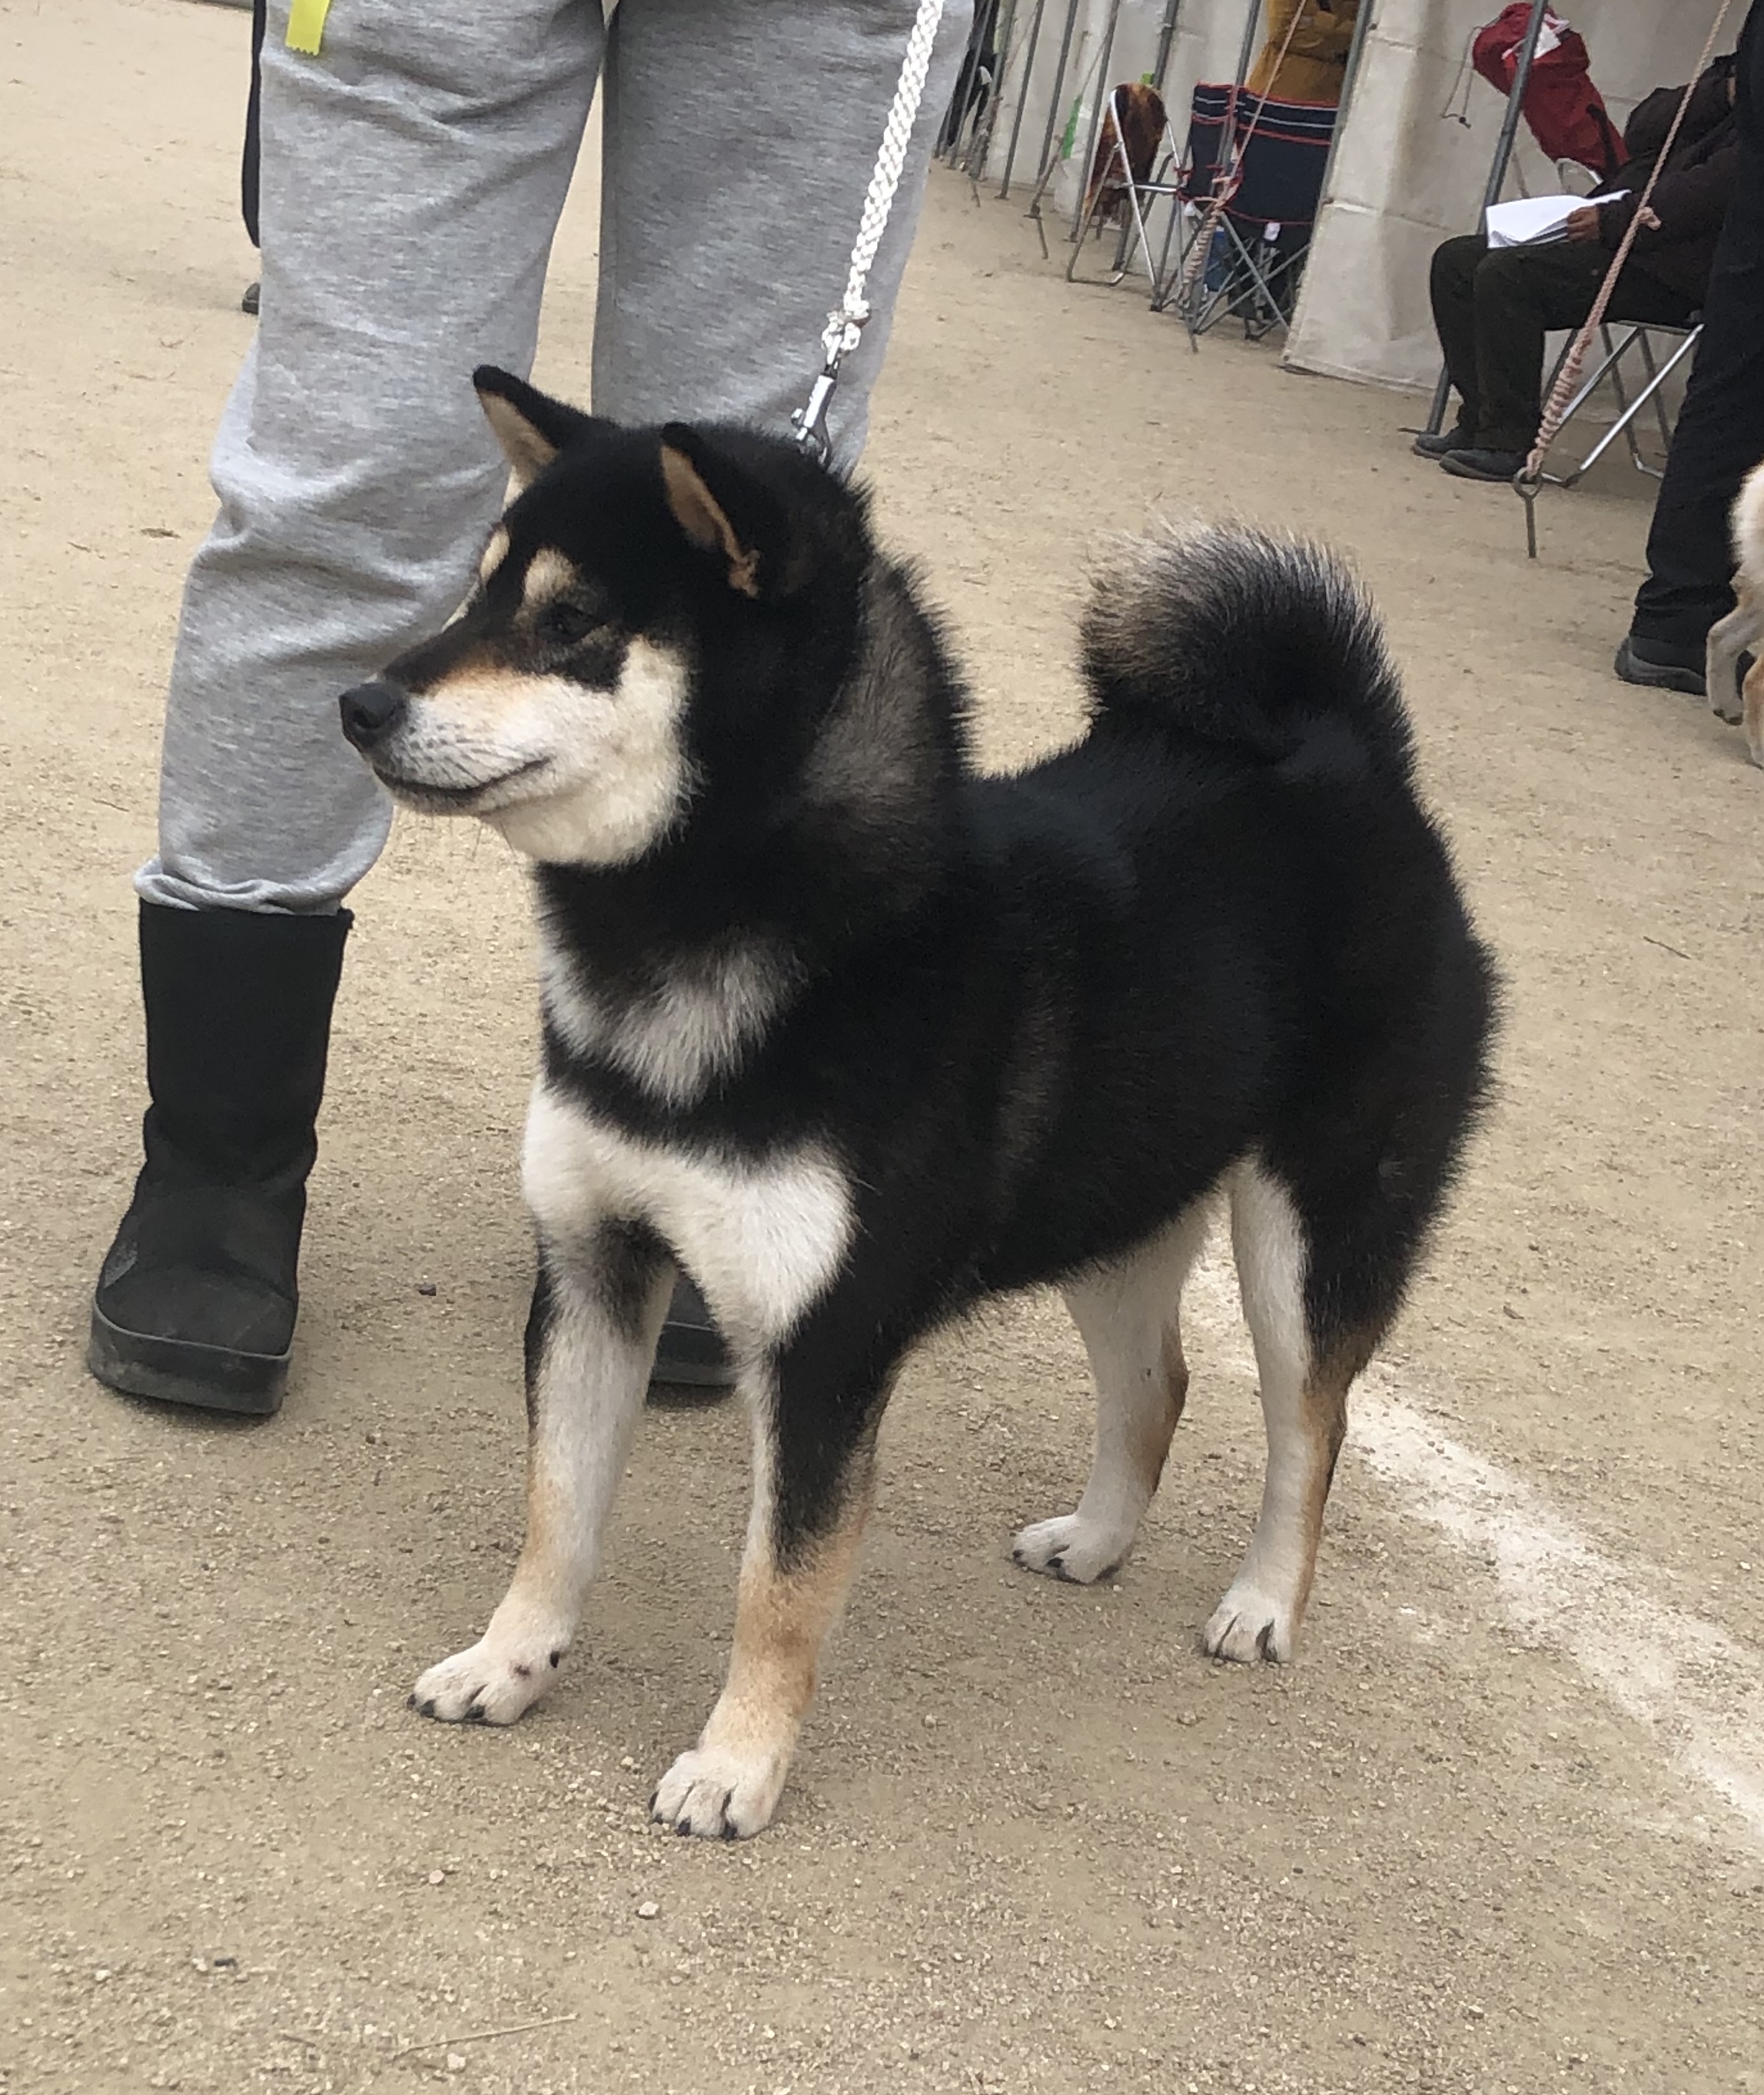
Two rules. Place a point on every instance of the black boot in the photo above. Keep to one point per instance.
(692, 1364)
(196, 1298)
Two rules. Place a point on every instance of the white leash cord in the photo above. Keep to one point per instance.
(845, 326)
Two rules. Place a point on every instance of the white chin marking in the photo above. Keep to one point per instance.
(608, 773)
(622, 755)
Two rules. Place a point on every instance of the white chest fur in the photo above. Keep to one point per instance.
(762, 1239)
(694, 1027)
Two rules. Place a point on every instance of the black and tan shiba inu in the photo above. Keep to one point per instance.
(856, 1035)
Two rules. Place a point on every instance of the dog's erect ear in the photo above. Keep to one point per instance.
(722, 509)
(530, 425)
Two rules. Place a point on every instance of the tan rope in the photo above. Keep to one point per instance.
(1568, 378)
(1228, 173)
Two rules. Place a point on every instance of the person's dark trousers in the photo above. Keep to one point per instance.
(1493, 307)
(248, 164)
(1720, 433)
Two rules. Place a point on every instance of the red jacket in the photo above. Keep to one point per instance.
(1690, 200)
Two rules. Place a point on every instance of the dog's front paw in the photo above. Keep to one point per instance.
(1070, 1548)
(719, 1795)
(1726, 705)
(489, 1684)
(1250, 1623)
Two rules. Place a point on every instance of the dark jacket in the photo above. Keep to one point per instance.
(1690, 199)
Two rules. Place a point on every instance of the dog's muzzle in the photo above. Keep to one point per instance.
(370, 712)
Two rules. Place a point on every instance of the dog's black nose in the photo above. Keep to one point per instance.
(370, 712)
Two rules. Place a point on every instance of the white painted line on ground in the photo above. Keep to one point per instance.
(1697, 1691)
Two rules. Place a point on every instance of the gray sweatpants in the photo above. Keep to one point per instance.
(413, 174)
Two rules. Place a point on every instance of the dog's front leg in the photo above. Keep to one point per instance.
(598, 1309)
(813, 1464)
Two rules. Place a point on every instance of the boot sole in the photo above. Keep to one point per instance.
(180, 1371)
(1658, 675)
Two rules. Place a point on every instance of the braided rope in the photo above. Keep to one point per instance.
(1229, 174)
(845, 326)
(1568, 378)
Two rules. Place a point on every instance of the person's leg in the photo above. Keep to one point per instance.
(412, 174)
(1521, 294)
(1718, 438)
(1452, 284)
(739, 143)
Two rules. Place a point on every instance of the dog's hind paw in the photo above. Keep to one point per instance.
(485, 1685)
(718, 1795)
(1249, 1624)
(1071, 1548)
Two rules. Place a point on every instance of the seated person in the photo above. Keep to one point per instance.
(1493, 307)
(1315, 66)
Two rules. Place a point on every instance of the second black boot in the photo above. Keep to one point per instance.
(196, 1298)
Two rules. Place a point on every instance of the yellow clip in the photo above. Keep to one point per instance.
(305, 25)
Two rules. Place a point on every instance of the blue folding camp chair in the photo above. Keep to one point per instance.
(1250, 184)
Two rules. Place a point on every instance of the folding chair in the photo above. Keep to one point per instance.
(1266, 160)
(1135, 170)
(1637, 335)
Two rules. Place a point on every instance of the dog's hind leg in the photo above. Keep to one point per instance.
(1304, 1406)
(1127, 1316)
(816, 1410)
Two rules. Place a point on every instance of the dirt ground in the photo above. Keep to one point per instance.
(1501, 1828)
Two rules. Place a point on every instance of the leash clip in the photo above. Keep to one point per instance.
(810, 421)
(843, 332)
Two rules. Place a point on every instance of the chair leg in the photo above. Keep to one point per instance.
(1608, 368)
(1625, 423)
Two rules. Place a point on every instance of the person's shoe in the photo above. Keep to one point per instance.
(253, 299)
(1659, 663)
(1459, 437)
(1474, 463)
(692, 1361)
(196, 1298)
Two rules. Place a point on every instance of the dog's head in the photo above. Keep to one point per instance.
(657, 607)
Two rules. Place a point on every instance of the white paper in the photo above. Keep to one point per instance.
(1533, 221)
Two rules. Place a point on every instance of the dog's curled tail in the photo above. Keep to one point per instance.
(1246, 640)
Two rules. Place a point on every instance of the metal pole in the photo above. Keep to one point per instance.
(1246, 55)
(1054, 101)
(949, 143)
(1166, 37)
(1095, 113)
(1362, 22)
(1497, 173)
(1023, 97)
(981, 143)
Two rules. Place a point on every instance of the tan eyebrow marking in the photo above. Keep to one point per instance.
(495, 553)
(549, 575)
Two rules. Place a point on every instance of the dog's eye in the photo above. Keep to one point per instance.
(564, 623)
